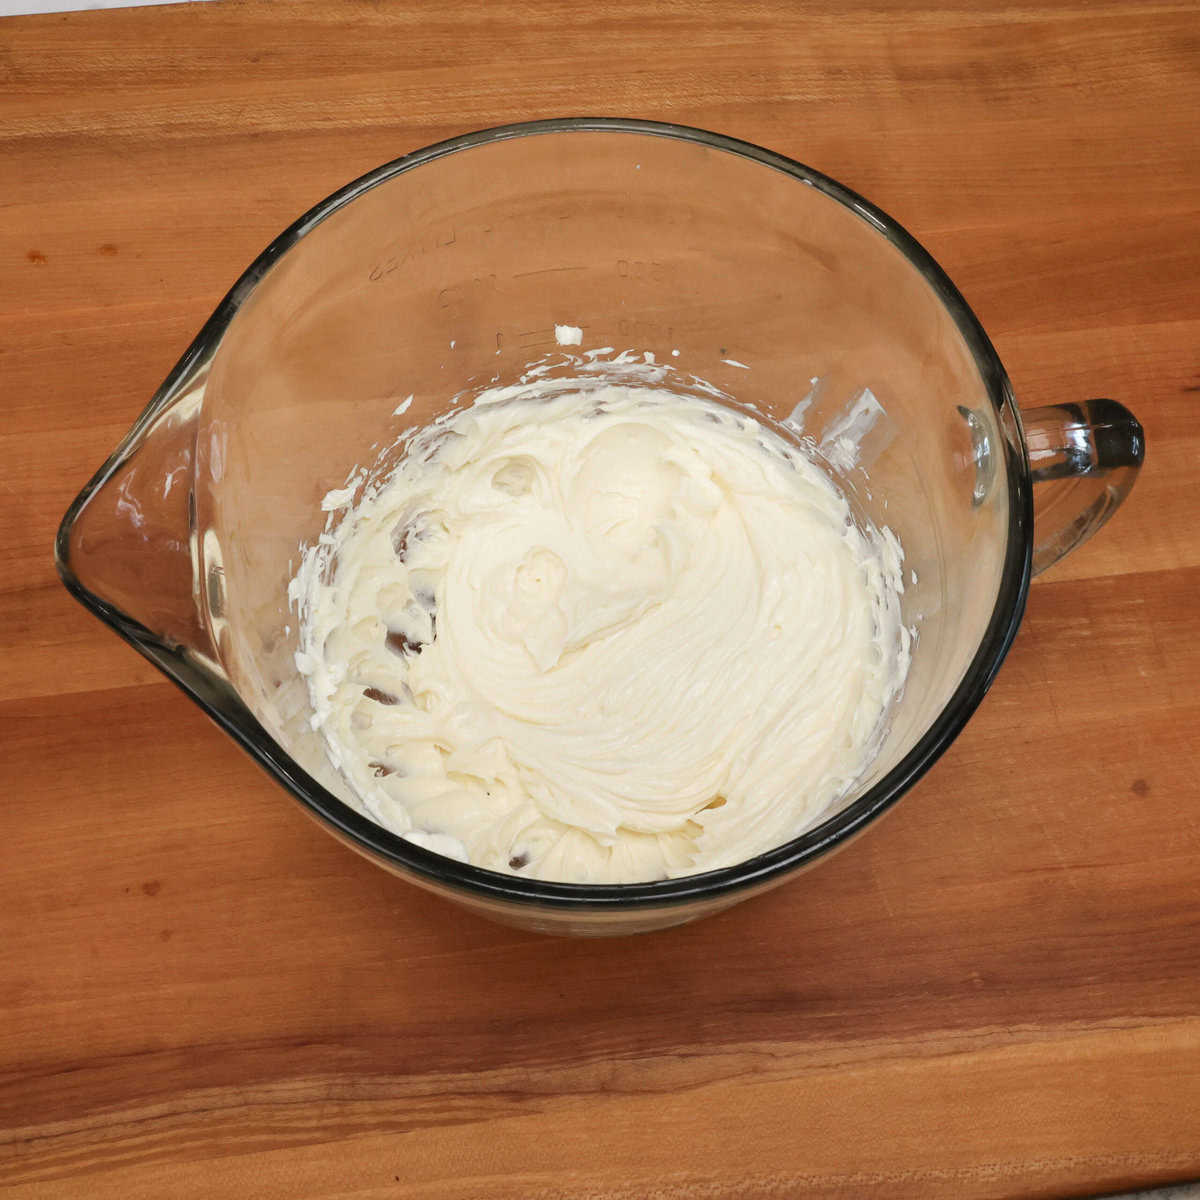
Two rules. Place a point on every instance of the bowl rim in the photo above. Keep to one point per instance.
(216, 696)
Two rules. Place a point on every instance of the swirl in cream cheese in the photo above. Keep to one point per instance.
(601, 634)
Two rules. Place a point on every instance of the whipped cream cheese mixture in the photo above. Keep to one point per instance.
(597, 633)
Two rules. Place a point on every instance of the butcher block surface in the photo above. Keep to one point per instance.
(994, 992)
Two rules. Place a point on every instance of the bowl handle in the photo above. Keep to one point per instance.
(1084, 459)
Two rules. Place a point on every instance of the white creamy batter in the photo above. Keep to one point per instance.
(599, 633)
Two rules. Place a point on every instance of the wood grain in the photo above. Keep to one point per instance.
(994, 993)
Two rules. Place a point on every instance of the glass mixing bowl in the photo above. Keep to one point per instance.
(451, 267)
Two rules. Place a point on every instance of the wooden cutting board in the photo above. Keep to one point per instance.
(996, 992)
